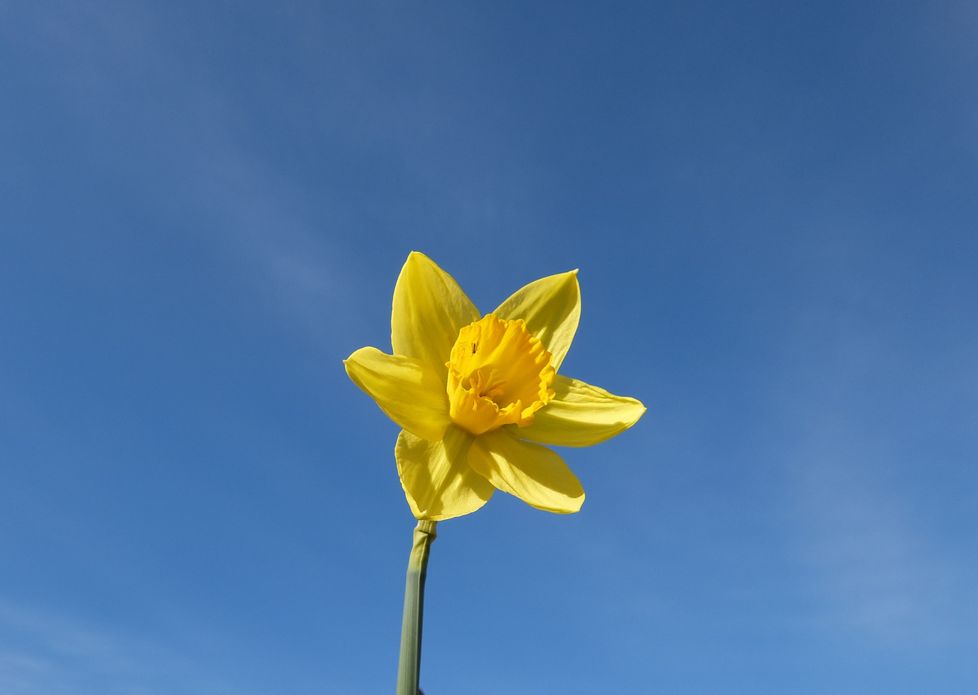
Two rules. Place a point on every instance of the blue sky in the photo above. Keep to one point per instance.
(204, 209)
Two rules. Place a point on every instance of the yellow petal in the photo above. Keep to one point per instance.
(551, 307)
(409, 390)
(429, 310)
(581, 415)
(437, 480)
(535, 474)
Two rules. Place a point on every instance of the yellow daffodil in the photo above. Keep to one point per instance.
(477, 395)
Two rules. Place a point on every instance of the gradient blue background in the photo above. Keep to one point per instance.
(204, 207)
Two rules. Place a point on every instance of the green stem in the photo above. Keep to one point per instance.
(409, 665)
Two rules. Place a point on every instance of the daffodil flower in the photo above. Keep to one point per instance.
(478, 395)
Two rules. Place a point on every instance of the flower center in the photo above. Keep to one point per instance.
(498, 375)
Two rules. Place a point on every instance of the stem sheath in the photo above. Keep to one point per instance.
(409, 664)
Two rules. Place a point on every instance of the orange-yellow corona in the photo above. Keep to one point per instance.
(477, 395)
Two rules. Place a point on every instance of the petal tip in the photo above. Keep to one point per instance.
(638, 414)
(572, 507)
(414, 258)
(417, 256)
(351, 360)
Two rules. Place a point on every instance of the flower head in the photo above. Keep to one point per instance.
(477, 395)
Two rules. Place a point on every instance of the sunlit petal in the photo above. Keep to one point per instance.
(535, 474)
(428, 311)
(437, 480)
(410, 391)
(551, 307)
(581, 415)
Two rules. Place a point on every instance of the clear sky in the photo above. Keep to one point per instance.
(203, 210)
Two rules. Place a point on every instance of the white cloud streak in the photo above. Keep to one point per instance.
(874, 572)
(103, 57)
(876, 568)
(46, 654)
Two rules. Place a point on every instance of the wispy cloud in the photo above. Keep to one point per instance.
(874, 573)
(877, 567)
(46, 654)
(114, 62)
